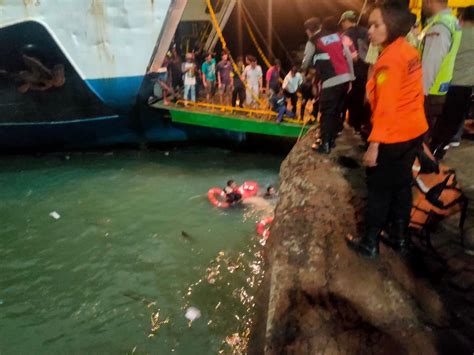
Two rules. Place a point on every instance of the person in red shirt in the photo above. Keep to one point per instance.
(395, 93)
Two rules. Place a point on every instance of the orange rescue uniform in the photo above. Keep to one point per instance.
(395, 93)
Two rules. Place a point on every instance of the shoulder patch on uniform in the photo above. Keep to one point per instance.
(381, 77)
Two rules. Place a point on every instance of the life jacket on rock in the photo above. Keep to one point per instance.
(436, 195)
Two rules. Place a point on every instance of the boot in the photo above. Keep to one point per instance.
(439, 150)
(324, 148)
(332, 143)
(398, 236)
(368, 245)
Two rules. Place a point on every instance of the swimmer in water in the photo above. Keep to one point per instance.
(232, 193)
(265, 203)
(270, 193)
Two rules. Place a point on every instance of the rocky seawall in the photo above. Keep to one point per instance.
(320, 297)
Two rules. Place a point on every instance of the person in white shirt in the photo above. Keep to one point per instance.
(291, 85)
(189, 75)
(253, 79)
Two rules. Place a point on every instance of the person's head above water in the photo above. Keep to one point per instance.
(312, 26)
(270, 191)
(389, 22)
(232, 184)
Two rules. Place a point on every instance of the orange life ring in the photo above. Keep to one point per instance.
(217, 197)
(263, 227)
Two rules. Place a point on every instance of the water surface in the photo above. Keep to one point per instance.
(114, 273)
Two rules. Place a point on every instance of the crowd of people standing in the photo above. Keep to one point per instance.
(418, 101)
(404, 91)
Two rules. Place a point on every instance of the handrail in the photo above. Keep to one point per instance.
(226, 108)
(231, 109)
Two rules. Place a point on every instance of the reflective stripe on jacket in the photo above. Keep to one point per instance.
(445, 72)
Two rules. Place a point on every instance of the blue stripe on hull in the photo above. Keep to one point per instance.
(119, 93)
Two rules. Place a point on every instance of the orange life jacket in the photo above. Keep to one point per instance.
(436, 196)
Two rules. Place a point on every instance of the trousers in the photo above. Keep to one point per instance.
(282, 111)
(238, 92)
(389, 184)
(190, 90)
(293, 99)
(359, 111)
(331, 105)
(455, 111)
(434, 105)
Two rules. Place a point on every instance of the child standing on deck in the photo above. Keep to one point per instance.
(209, 76)
(253, 77)
(189, 74)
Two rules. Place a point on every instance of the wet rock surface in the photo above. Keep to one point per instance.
(320, 297)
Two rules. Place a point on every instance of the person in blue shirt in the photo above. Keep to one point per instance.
(209, 76)
(278, 104)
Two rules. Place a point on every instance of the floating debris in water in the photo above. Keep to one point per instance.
(192, 314)
(55, 215)
(1, 302)
(186, 235)
(233, 339)
(226, 272)
(156, 323)
(167, 154)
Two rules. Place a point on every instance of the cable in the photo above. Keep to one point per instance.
(224, 46)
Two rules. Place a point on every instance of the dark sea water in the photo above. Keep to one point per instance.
(114, 274)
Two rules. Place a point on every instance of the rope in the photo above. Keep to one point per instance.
(362, 11)
(226, 108)
(224, 46)
(255, 43)
(275, 34)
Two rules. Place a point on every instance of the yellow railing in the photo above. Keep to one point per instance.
(224, 46)
(226, 108)
(263, 114)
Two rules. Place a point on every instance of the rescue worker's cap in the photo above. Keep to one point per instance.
(348, 15)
